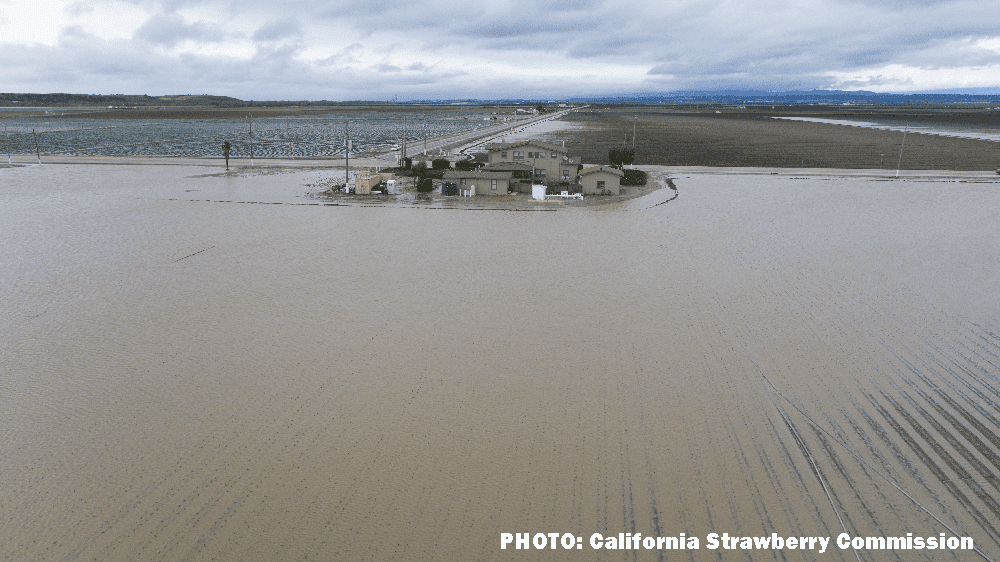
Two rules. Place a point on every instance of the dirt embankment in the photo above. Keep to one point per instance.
(758, 140)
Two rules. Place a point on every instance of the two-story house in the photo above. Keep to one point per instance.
(542, 161)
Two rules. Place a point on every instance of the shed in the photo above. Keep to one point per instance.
(480, 183)
(601, 180)
(364, 183)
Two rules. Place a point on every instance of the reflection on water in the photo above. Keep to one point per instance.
(943, 128)
(189, 379)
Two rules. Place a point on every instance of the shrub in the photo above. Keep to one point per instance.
(634, 177)
(425, 185)
(440, 164)
(420, 168)
(407, 163)
(466, 165)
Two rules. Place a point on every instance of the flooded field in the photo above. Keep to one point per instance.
(200, 367)
(272, 136)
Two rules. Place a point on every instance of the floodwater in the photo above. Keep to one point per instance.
(942, 128)
(199, 367)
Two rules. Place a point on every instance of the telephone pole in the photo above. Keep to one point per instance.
(402, 152)
(901, 150)
(37, 153)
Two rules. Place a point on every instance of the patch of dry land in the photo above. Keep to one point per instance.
(202, 366)
(744, 138)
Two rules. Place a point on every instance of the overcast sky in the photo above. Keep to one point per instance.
(447, 49)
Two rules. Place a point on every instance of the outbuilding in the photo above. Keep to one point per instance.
(479, 183)
(364, 183)
(601, 180)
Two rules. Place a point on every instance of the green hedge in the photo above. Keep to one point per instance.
(634, 177)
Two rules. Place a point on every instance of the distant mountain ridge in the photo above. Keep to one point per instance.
(116, 100)
(684, 96)
(794, 97)
(142, 100)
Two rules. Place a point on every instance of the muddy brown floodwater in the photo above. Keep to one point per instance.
(187, 373)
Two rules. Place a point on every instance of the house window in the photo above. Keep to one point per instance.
(462, 181)
(565, 175)
(518, 155)
(493, 185)
(600, 185)
(540, 154)
(503, 154)
(539, 172)
(553, 154)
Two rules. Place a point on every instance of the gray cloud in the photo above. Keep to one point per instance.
(79, 8)
(276, 30)
(347, 55)
(168, 30)
(384, 68)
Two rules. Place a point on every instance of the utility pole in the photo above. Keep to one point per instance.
(901, 150)
(6, 138)
(633, 131)
(402, 160)
(347, 158)
(425, 138)
(250, 136)
(37, 153)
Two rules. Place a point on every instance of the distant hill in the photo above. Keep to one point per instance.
(757, 97)
(116, 100)
(797, 97)
(129, 100)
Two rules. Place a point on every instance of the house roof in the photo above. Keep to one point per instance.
(512, 145)
(595, 169)
(472, 174)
